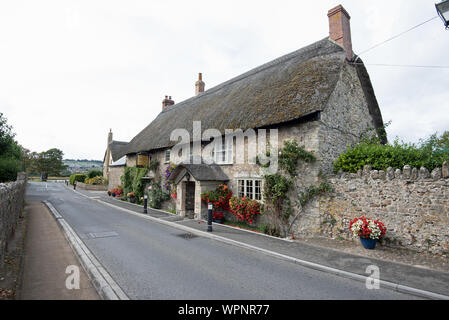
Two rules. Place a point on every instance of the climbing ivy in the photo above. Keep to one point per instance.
(278, 186)
(132, 181)
(291, 153)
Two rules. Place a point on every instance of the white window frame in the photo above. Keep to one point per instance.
(167, 152)
(249, 188)
(225, 155)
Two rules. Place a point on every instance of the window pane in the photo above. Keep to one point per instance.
(249, 189)
(241, 188)
(167, 155)
(257, 191)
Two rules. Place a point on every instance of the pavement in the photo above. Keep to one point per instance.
(47, 256)
(418, 280)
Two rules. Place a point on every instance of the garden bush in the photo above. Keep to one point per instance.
(430, 153)
(98, 180)
(132, 181)
(156, 195)
(9, 168)
(94, 173)
(79, 177)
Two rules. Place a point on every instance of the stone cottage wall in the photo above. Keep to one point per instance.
(412, 203)
(115, 174)
(344, 119)
(12, 196)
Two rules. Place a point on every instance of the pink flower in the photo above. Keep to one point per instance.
(309, 150)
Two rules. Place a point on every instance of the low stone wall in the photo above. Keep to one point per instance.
(12, 197)
(412, 203)
(91, 187)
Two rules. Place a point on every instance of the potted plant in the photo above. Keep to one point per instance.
(218, 216)
(368, 230)
(132, 197)
(109, 192)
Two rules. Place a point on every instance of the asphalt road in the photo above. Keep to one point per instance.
(152, 261)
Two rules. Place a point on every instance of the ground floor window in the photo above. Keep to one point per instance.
(250, 188)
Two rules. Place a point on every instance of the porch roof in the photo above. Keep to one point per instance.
(200, 172)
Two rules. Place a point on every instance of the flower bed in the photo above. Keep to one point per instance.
(218, 197)
(244, 209)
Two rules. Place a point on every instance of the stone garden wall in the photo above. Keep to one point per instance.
(412, 203)
(91, 187)
(12, 197)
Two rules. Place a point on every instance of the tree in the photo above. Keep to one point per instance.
(50, 162)
(10, 152)
(443, 141)
(30, 160)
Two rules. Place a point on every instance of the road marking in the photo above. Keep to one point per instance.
(106, 234)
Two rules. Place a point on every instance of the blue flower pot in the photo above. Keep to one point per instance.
(368, 243)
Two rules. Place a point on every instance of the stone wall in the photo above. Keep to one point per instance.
(344, 119)
(115, 172)
(12, 196)
(412, 203)
(92, 187)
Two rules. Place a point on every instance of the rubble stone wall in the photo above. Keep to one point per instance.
(412, 203)
(12, 197)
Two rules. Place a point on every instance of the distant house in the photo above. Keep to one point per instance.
(315, 96)
(113, 167)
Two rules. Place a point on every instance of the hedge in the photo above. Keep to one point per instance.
(79, 177)
(9, 167)
(430, 153)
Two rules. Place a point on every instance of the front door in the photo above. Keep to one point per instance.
(190, 200)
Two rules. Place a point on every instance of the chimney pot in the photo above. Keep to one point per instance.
(199, 85)
(340, 29)
(167, 102)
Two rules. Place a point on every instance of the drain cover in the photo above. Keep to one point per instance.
(186, 236)
(107, 234)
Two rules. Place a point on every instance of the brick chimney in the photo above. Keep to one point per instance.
(199, 85)
(167, 102)
(340, 29)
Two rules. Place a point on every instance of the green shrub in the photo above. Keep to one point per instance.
(79, 177)
(290, 154)
(9, 167)
(132, 181)
(98, 180)
(156, 195)
(94, 173)
(429, 153)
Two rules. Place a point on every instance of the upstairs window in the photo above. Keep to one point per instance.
(167, 156)
(224, 153)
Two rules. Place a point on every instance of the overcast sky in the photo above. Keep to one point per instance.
(70, 70)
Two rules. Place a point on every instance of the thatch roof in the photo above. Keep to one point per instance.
(116, 149)
(282, 90)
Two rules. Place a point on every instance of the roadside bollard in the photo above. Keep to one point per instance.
(209, 217)
(145, 203)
